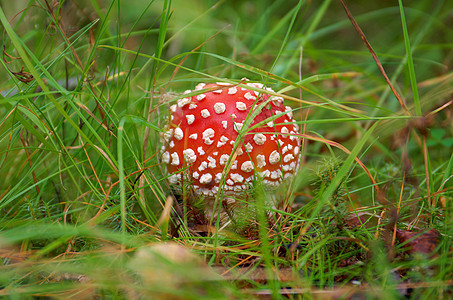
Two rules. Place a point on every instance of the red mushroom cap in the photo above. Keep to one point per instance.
(203, 129)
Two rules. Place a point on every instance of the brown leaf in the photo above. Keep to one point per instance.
(419, 242)
(359, 219)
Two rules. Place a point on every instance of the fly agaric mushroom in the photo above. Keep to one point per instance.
(203, 130)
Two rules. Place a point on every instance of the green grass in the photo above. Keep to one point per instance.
(85, 206)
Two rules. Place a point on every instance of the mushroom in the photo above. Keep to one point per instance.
(207, 144)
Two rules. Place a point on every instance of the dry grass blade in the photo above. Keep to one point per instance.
(165, 216)
(94, 117)
(427, 170)
(58, 23)
(398, 211)
(106, 157)
(345, 150)
(30, 163)
(193, 51)
(10, 137)
(375, 57)
(92, 167)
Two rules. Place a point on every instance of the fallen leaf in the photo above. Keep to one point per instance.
(418, 242)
